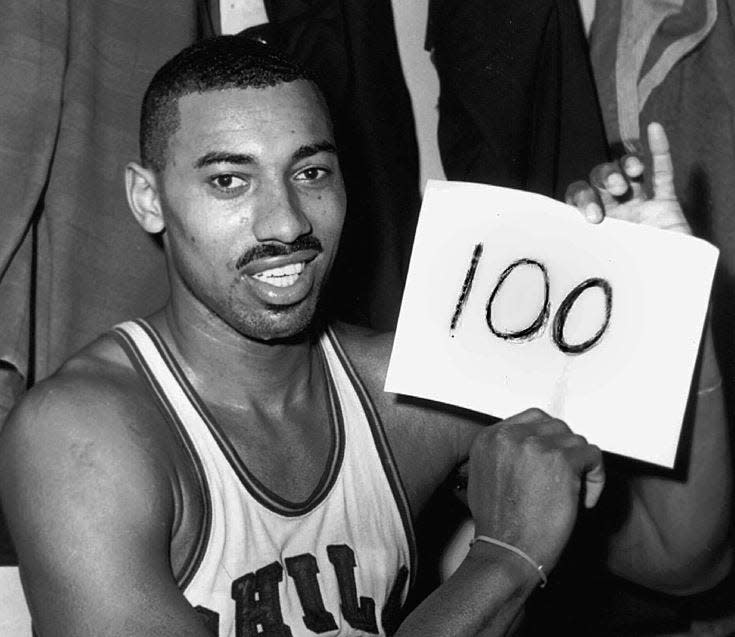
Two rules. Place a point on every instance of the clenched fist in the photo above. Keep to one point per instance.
(526, 477)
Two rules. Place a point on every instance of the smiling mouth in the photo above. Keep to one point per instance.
(283, 276)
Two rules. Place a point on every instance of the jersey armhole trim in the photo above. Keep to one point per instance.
(193, 560)
(384, 451)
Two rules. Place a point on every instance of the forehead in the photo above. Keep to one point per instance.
(267, 118)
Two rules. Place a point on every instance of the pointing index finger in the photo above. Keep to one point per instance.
(663, 169)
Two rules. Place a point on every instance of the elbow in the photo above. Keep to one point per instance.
(690, 574)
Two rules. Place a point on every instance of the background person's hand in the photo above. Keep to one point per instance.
(616, 189)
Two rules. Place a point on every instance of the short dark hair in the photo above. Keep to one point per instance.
(222, 62)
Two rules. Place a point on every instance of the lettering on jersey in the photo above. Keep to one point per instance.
(209, 618)
(391, 615)
(303, 569)
(258, 610)
(257, 604)
(360, 615)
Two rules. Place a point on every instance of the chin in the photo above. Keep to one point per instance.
(278, 324)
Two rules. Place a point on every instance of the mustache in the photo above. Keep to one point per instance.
(264, 250)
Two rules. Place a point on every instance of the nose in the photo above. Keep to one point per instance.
(279, 216)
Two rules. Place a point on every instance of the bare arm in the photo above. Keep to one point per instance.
(483, 597)
(527, 475)
(90, 514)
(675, 536)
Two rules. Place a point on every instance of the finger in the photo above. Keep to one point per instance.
(566, 439)
(534, 414)
(610, 182)
(634, 168)
(534, 422)
(632, 165)
(587, 461)
(663, 168)
(584, 197)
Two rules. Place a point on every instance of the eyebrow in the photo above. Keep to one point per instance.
(312, 149)
(224, 157)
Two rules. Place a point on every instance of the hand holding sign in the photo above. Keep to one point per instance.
(545, 467)
(489, 328)
(620, 189)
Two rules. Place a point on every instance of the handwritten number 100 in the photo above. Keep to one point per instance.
(538, 324)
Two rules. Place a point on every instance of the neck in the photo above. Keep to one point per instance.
(227, 367)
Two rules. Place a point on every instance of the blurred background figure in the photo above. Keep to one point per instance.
(71, 258)
(671, 62)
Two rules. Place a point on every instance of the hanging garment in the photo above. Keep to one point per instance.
(73, 261)
(666, 61)
(517, 106)
(672, 63)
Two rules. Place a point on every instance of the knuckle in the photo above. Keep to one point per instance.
(556, 425)
(632, 163)
(577, 191)
(537, 414)
(598, 175)
(596, 451)
(505, 437)
(579, 440)
(494, 435)
(533, 445)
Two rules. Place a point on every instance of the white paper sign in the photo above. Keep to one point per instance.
(15, 619)
(596, 324)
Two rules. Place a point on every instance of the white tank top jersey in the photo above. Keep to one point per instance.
(338, 563)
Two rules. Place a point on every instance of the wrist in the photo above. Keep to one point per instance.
(711, 387)
(710, 379)
(521, 575)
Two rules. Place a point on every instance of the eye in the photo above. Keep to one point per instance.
(312, 173)
(228, 183)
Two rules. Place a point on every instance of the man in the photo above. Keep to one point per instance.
(231, 464)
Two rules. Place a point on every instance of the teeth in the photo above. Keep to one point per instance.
(283, 276)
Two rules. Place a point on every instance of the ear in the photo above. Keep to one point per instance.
(141, 187)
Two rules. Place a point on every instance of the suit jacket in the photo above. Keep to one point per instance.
(518, 105)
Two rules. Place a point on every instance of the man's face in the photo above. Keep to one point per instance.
(253, 203)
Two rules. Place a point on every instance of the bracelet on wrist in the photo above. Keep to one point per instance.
(514, 549)
(702, 391)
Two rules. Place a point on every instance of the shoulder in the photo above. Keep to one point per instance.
(95, 394)
(89, 494)
(368, 350)
(88, 425)
(439, 434)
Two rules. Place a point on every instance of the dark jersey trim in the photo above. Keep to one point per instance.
(255, 487)
(196, 553)
(384, 451)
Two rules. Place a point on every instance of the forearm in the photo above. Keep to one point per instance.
(483, 597)
(675, 537)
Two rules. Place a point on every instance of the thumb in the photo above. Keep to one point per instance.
(594, 482)
(588, 464)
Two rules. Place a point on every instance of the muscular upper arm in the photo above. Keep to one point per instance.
(428, 439)
(90, 513)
